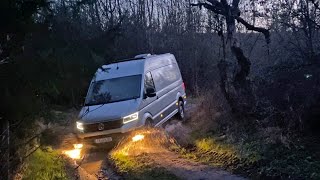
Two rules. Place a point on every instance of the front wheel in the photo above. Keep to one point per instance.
(148, 123)
(181, 114)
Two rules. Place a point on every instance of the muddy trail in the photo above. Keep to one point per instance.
(187, 169)
(154, 150)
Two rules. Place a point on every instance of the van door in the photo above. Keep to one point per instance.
(149, 104)
(166, 80)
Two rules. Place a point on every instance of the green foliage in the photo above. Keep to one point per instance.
(49, 138)
(216, 153)
(45, 164)
(139, 168)
(257, 158)
(124, 163)
(48, 65)
(295, 162)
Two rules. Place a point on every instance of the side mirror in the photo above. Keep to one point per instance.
(150, 92)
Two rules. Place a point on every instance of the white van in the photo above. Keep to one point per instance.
(143, 91)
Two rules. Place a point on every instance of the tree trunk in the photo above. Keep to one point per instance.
(241, 100)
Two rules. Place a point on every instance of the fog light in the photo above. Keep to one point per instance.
(73, 154)
(78, 146)
(138, 137)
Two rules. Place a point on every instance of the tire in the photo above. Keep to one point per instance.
(181, 113)
(148, 123)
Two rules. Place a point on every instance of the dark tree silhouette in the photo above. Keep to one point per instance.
(231, 13)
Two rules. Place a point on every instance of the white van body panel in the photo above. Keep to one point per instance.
(163, 70)
(110, 111)
(120, 69)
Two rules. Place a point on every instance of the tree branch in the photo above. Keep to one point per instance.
(264, 31)
(25, 157)
(214, 8)
(224, 3)
(4, 61)
(315, 3)
(221, 8)
(216, 3)
(235, 3)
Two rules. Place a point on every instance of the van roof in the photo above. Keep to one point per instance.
(143, 57)
(133, 66)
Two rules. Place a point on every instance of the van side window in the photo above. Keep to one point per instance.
(148, 81)
(166, 75)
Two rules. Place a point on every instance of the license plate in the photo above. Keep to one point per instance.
(103, 140)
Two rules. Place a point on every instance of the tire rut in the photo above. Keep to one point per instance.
(187, 169)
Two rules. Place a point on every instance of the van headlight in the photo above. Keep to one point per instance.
(80, 126)
(130, 118)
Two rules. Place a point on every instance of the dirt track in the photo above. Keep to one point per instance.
(172, 162)
(95, 164)
(186, 169)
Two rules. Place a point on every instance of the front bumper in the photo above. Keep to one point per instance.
(124, 129)
(116, 137)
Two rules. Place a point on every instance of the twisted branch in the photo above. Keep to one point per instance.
(223, 8)
(262, 30)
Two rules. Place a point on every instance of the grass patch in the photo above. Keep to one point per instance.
(215, 153)
(222, 154)
(294, 162)
(139, 167)
(256, 159)
(45, 164)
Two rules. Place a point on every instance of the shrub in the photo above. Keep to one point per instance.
(45, 164)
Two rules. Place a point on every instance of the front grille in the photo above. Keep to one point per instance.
(107, 126)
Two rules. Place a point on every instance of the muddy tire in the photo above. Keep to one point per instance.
(148, 123)
(181, 113)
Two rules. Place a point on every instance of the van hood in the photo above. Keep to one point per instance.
(107, 112)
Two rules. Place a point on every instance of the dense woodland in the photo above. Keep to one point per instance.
(256, 60)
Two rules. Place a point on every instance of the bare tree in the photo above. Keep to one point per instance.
(301, 18)
(232, 13)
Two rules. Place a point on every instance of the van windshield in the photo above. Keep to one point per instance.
(114, 90)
